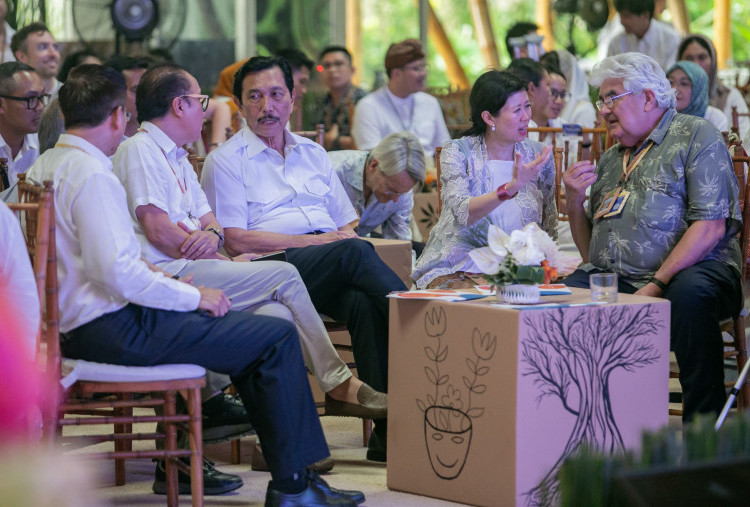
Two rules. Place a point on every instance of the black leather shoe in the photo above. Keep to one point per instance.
(376, 449)
(317, 493)
(224, 418)
(214, 482)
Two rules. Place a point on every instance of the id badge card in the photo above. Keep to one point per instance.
(618, 205)
(607, 203)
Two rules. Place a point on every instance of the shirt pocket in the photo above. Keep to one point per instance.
(316, 187)
(259, 200)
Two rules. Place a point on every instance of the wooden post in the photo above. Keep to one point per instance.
(455, 72)
(544, 21)
(679, 15)
(722, 35)
(354, 38)
(480, 15)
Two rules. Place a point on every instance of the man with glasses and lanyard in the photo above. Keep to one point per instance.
(22, 100)
(401, 105)
(664, 215)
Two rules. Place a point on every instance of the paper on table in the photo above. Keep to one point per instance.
(556, 289)
(441, 294)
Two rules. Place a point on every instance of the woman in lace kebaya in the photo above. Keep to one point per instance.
(492, 175)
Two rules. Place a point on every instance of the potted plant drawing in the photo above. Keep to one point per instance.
(516, 264)
(450, 408)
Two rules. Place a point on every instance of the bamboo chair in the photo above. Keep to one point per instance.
(736, 347)
(36, 210)
(316, 135)
(736, 120)
(601, 141)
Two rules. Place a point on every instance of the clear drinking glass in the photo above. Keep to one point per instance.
(603, 287)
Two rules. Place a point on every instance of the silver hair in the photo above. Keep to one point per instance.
(400, 152)
(638, 72)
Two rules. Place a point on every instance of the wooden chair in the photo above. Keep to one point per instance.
(316, 135)
(196, 161)
(736, 346)
(36, 211)
(736, 120)
(601, 141)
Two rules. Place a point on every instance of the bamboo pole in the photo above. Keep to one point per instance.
(544, 21)
(354, 38)
(722, 35)
(679, 16)
(456, 75)
(480, 15)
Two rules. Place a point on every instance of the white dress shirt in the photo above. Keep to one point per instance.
(19, 300)
(382, 113)
(717, 118)
(154, 170)
(394, 217)
(99, 262)
(734, 98)
(251, 186)
(26, 156)
(660, 42)
(7, 55)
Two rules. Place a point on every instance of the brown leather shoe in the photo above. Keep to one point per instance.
(258, 463)
(372, 405)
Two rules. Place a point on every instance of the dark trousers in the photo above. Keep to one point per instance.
(348, 282)
(261, 355)
(701, 296)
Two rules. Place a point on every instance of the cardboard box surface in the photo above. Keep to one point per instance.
(486, 402)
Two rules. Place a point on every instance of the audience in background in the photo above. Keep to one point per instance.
(301, 68)
(34, 45)
(22, 100)
(379, 184)
(536, 79)
(699, 49)
(132, 68)
(337, 107)
(74, 59)
(401, 105)
(51, 126)
(690, 84)
(521, 29)
(644, 33)
(578, 108)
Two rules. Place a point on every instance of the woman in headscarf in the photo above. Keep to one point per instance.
(578, 108)
(699, 49)
(690, 84)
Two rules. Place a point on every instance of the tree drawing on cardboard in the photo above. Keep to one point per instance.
(447, 413)
(570, 356)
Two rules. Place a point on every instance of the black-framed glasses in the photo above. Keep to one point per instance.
(203, 99)
(31, 102)
(609, 101)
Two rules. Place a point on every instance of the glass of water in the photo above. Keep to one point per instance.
(603, 287)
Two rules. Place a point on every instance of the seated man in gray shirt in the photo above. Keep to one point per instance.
(379, 183)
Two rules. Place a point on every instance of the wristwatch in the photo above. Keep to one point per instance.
(218, 233)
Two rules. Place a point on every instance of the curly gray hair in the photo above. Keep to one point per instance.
(638, 72)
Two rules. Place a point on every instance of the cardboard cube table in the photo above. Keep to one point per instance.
(486, 402)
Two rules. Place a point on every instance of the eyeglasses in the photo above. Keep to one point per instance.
(609, 101)
(559, 95)
(203, 99)
(31, 102)
(423, 67)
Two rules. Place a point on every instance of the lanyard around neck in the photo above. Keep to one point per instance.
(628, 168)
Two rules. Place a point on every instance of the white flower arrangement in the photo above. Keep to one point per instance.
(526, 256)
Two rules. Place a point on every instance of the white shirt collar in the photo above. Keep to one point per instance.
(255, 145)
(30, 142)
(162, 140)
(69, 140)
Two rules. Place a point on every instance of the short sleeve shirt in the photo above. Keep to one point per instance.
(687, 175)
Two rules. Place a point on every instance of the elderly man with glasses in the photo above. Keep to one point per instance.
(401, 105)
(22, 100)
(664, 215)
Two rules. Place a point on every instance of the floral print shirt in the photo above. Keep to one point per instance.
(465, 174)
(687, 175)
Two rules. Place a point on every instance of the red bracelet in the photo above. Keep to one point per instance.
(503, 194)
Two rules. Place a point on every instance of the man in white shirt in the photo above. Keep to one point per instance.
(132, 70)
(379, 183)
(272, 190)
(179, 233)
(22, 100)
(6, 34)
(35, 46)
(401, 105)
(644, 34)
(115, 309)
